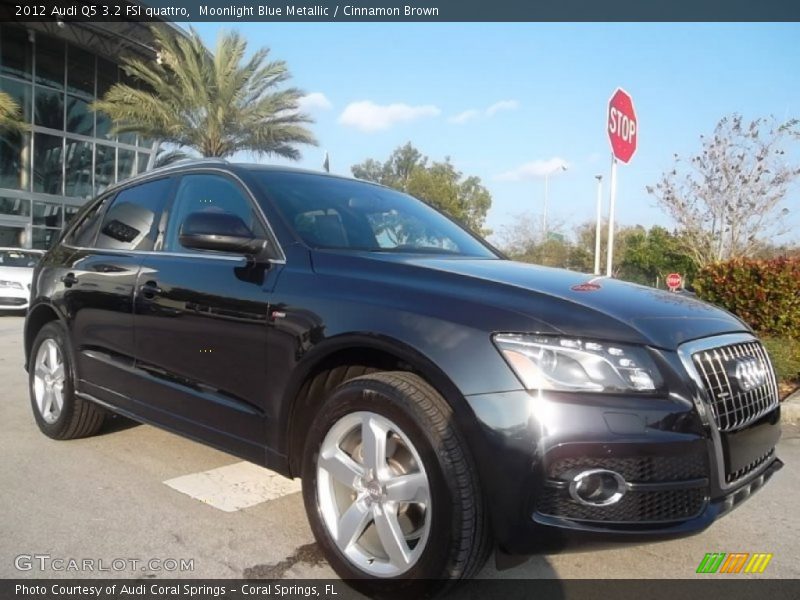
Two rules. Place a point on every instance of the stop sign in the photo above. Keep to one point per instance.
(622, 127)
(674, 281)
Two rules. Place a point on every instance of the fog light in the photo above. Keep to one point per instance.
(597, 487)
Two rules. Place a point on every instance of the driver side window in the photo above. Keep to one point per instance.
(208, 193)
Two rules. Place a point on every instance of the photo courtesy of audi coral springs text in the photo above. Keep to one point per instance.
(438, 400)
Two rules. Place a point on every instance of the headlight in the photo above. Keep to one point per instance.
(14, 285)
(569, 364)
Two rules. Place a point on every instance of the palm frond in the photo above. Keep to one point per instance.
(10, 114)
(215, 103)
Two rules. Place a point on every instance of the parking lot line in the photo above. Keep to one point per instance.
(234, 487)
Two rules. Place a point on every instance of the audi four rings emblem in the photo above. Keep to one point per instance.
(750, 373)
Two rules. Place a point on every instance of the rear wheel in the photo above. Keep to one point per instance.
(59, 413)
(390, 490)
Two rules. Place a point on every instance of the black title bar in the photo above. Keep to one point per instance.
(398, 11)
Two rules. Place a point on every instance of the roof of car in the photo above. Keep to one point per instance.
(199, 163)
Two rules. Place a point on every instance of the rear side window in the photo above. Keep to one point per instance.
(131, 222)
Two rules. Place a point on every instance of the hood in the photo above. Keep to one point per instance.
(23, 275)
(552, 300)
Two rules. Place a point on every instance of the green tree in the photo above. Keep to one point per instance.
(215, 103)
(438, 183)
(10, 116)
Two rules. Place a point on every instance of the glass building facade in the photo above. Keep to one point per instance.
(68, 153)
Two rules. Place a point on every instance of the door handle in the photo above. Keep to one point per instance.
(150, 289)
(69, 280)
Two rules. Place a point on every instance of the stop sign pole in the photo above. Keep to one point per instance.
(623, 133)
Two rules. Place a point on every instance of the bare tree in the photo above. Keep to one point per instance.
(728, 198)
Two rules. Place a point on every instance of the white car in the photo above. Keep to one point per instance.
(16, 274)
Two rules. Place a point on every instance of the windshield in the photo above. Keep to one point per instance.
(328, 212)
(18, 258)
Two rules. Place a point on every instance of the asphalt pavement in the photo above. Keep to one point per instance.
(105, 499)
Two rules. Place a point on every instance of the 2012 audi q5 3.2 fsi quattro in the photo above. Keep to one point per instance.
(436, 399)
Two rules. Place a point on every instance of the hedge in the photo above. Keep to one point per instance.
(763, 293)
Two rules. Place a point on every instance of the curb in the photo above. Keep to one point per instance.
(790, 408)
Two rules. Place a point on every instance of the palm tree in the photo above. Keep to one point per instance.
(216, 103)
(10, 117)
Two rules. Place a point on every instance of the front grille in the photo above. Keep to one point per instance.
(633, 507)
(642, 469)
(736, 475)
(12, 301)
(732, 404)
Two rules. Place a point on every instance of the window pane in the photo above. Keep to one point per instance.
(78, 180)
(47, 163)
(127, 138)
(126, 165)
(15, 160)
(80, 71)
(13, 237)
(21, 93)
(69, 214)
(16, 52)
(130, 223)
(44, 238)
(106, 76)
(19, 207)
(50, 61)
(103, 126)
(49, 108)
(79, 118)
(46, 214)
(208, 193)
(143, 158)
(103, 167)
(145, 142)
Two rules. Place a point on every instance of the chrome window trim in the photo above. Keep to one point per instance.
(177, 171)
(701, 400)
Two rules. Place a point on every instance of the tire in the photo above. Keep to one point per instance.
(48, 386)
(446, 534)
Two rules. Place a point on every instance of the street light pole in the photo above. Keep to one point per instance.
(597, 227)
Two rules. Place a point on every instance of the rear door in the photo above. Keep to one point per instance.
(97, 280)
(201, 325)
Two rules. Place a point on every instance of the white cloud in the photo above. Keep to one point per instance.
(490, 111)
(314, 101)
(502, 105)
(370, 117)
(534, 169)
(467, 115)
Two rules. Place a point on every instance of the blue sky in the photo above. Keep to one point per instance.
(498, 97)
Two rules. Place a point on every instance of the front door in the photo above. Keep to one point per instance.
(201, 326)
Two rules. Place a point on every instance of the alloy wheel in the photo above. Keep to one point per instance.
(373, 494)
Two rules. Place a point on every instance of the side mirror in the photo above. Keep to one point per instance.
(223, 232)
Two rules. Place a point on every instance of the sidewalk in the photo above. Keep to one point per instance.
(790, 408)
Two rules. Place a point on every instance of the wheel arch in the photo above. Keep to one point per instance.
(38, 316)
(342, 358)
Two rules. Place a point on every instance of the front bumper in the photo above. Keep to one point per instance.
(682, 472)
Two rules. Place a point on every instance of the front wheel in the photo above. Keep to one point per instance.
(390, 489)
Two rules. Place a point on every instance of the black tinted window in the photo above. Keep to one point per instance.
(88, 220)
(131, 222)
(204, 193)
